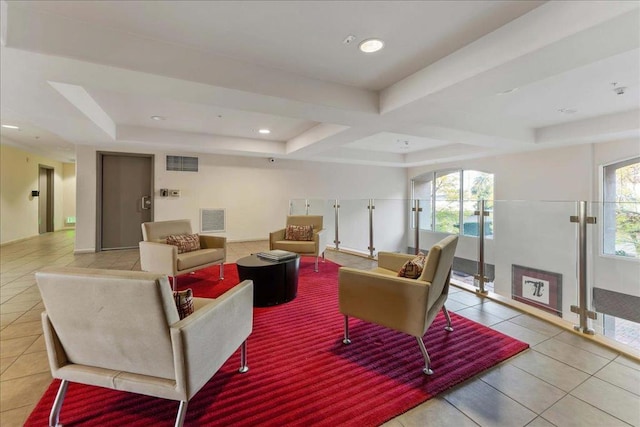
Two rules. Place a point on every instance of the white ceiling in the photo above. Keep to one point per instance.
(93, 73)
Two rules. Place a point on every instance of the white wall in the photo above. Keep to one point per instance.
(254, 192)
(18, 176)
(69, 192)
(535, 194)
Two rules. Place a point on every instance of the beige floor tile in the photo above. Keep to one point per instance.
(15, 417)
(17, 307)
(524, 388)
(8, 318)
(5, 362)
(16, 346)
(479, 316)
(540, 422)
(576, 340)
(466, 298)
(610, 399)
(37, 345)
(18, 330)
(27, 364)
(621, 376)
(453, 305)
(23, 391)
(536, 325)
(498, 310)
(549, 370)
(520, 332)
(573, 412)
(30, 316)
(572, 356)
(435, 412)
(627, 361)
(479, 401)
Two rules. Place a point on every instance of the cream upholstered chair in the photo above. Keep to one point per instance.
(157, 256)
(314, 247)
(406, 305)
(121, 330)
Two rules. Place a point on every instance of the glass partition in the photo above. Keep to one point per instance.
(390, 230)
(298, 207)
(614, 275)
(317, 206)
(354, 225)
(534, 250)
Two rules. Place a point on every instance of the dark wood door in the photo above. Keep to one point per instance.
(126, 199)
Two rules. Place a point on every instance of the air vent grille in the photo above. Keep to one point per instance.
(212, 220)
(182, 163)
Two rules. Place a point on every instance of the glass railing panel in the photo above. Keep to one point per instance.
(354, 225)
(297, 207)
(329, 222)
(317, 206)
(534, 251)
(390, 230)
(614, 275)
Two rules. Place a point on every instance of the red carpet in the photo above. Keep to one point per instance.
(300, 372)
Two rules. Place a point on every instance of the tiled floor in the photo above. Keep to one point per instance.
(562, 380)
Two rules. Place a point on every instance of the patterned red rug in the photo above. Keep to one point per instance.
(300, 372)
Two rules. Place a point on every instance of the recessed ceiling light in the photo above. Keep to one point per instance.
(567, 110)
(371, 45)
(264, 131)
(157, 118)
(10, 127)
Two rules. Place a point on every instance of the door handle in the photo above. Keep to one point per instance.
(145, 202)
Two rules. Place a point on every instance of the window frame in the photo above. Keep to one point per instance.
(430, 177)
(608, 209)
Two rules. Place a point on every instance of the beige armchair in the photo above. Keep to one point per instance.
(121, 330)
(157, 256)
(315, 247)
(407, 305)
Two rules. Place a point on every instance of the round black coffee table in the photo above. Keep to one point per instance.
(274, 282)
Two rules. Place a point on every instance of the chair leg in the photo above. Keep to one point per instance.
(182, 413)
(316, 268)
(447, 328)
(174, 283)
(346, 339)
(427, 362)
(243, 358)
(54, 416)
(222, 271)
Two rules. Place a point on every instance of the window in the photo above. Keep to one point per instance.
(450, 198)
(621, 208)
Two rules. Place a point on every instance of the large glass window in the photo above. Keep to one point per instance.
(621, 209)
(450, 199)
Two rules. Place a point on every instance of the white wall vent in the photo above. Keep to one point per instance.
(182, 164)
(212, 220)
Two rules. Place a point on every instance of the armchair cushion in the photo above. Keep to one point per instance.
(413, 268)
(184, 242)
(184, 302)
(193, 259)
(298, 232)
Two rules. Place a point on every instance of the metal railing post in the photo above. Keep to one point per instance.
(480, 278)
(416, 218)
(371, 247)
(336, 208)
(582, 309)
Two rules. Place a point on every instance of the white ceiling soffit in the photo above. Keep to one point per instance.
(455, 80)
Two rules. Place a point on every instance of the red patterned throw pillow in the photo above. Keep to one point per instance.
(412, 269)
(184, 242)
(184, 302)
(298, 232)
